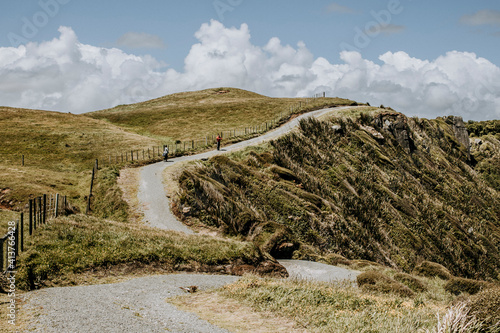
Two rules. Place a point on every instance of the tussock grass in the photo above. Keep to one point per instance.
(457, 286)
(395, 194)
(323, 307)
(485, 307)
(431, 269)
(77, 244)
(379, 282)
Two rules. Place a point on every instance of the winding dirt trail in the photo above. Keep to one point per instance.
(155, 204)
(139, 305)
(153, 195)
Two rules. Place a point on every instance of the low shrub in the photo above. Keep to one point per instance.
(485, 306)
(432, 269)
(411, 282)
(376, 281)
(458, 285)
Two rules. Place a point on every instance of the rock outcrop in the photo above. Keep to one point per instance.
(460, 131)
(397, 124)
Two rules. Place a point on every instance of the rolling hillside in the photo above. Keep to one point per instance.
(59, 151)
(194, 115)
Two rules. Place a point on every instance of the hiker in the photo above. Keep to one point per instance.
(165, 153)
(218, 138)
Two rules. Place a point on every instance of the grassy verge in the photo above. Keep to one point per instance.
(73, 245)
(306, 306)
(326, 307)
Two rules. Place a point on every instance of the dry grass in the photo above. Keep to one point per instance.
(326, 307)
(128, 182)
(234, 315)
(196, 115)
(59, 149)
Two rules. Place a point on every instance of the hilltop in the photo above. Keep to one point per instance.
(60, 148)
(194, 115)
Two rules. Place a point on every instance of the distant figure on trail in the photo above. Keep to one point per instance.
(165, 153)
(218, 138)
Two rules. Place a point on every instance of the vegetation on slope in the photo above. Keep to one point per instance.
(68, 248)
(195, 115)
(383, 188)
(59, 150)
(486, 150)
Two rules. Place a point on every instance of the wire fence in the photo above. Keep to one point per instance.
(39, 211)
(182, 147)
(42, 209)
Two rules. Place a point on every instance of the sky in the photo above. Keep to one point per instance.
(423, 58)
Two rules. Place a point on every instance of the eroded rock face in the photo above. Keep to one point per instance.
(460, 131)
(397, 124)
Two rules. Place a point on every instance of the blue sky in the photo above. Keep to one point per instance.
(411, 31)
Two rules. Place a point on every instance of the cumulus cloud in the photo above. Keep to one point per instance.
(482, 17)
(137, 40)
(66, 75)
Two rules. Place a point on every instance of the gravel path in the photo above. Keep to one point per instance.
(152, 193)
(308, 270)
(138, 305)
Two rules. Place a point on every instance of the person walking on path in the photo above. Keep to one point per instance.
(165, 153)
(218, 138)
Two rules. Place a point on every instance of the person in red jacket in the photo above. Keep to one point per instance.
(218, 138)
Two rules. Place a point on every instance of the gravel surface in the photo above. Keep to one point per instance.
(138, 305)
(152, 193)
(308, 270)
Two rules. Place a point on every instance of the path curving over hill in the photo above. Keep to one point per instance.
(153, 195)
(140, 304)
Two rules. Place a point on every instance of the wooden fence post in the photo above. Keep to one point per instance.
(1, 254)
(56, 213)
(90, 194)
(23, 160)
(40, 211)
(22, 231)
(31, 217)
(44, 212)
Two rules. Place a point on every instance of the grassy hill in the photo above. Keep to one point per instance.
(195, 115)
(59, 150)
(377, 186)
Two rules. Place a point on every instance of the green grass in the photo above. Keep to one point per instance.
(59, 149)
(346, 193)
(68, 247)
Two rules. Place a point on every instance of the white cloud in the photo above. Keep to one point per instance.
(137, 40)
(65, 75)
(336, 8)
(482, 17)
